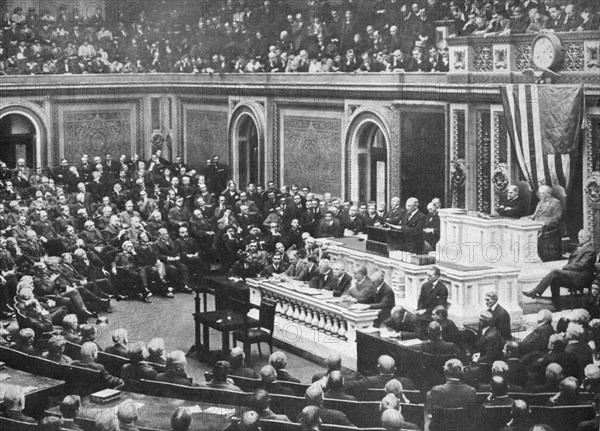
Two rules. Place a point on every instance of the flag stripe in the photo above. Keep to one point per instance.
(536, 135)
(526, 139)
(509, 102)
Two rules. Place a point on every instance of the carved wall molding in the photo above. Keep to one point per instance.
(483, 58)
(458, 143)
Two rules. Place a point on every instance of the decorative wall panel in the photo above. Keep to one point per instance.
(312, 153)
(205, 136)
(97, 132)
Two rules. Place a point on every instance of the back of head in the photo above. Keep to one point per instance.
(499, 368)
(569, 387)
(314, 395)
(574, 332)
(394, 386)
(520, 411)
(50, 423)
(105, 421)
(88, 332)
(389, 402)
(259, 400)
(70, 406)
(250, 421)
(310, 418)
(181, 419)
(335, 381)
(434, 330)
(220, 370)
(498, 386)
(14, 398)
(334, 361)
(391, 419)
(127, 412)
(56, 345)
(119, 336)
(453, 368)
(512, 349)
(137, 352)
(156, 346)
(89, 350)
(278, 360)
(554, 372)
(236, 357)
(69, 321)
(176, 361)
(268, 374)
(386, 364)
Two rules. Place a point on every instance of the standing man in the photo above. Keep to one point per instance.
(431, 232)
(433, 293)
(500, 317)
(412, 225)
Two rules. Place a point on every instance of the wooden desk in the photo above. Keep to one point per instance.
(155, 412)
(38, 389)
(370, 346)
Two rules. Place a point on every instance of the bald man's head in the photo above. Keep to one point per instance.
(314, 395)
(386, 365)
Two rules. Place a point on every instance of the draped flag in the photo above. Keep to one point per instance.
(544, 124)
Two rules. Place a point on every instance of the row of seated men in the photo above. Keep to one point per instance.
(332, 384)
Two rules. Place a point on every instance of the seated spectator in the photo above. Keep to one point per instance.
(89, 354)
(250, 421)
(392, 420)
(310, 418)
(219, 377)
(106, 420)
(499, 395)
(89, 333)
(70, 329)
(314, 397)
(537, 340)
(591, 380)
(386, 366)
(519, 417)
(395, 387)
(24, 342)
(568, 393)
(181, 419)
(156, 351)
(175, 370)
(436, 345)
(259, 402)
(138, 368)
(69, 409)
(578, 347)
(553, 376)
(335, 387)
(119, 348)
(14, 404)
(127, 415)
(236, 360)
(517, 373)
(556, 353)
(593, 424)
(268, 377)
(278, 360)
(404, 322)
(56, 350)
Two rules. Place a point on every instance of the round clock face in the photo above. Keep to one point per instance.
(544, 53)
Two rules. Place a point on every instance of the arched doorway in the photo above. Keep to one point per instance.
(17, 140)
(372, 158)
(249, 152)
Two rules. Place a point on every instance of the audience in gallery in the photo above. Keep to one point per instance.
(246, 37)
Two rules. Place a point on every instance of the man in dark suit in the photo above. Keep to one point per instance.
(278, 360)
(325, 280)
(329, 226)
(404, 322)
(363, 286)
(236, 360)
(343, 280)
(593, 424)
(335, 387)
(312, 270)
(575, 275)
(499, 395)
(433, 293)
(500, 317)
(412, 225)
(490, 342)
(268, 377)
(577, 345)
(537, 340)
(453, 393)
(517, 373)
(175, 370)
(382, 298)
(89, 354)
(314, 397)
(14, 404)
(277, 266)
(450, 332)
(396, 212)
(436, 344)
(431, 232)
(169, 254)
(512, 204)
(119, 348)
(353, 221)
(69, 408)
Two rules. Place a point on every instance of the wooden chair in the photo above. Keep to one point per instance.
(562, 418)
(73, 350)
(83, 381)
(14, 358)
(288, 405)
(46, 368)
(11, 425)
(261, 334)
(298, 388)
(376, 394)
(112, 363)
(432, 369)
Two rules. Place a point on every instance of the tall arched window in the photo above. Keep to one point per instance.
(17, 140)
(249, 157)
(372, 163)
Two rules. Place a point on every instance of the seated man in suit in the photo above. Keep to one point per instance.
(386, 365)
(245, 268)
(325, 279)
(278, 360)
(69, 409)
(138, 368)
(56, 350)
(392, 420)
(577, 345)
(24, 341)
(450, 332)
(382, 298)
(433, 293)
(259, 402)
(314, 397)
(89, 354)
(575, 275)
(268, 377)
(119, 348)
(219, 377)
(175, 370)
(549, 211)
(499, 393)
(236, 360)
(512, 204)
(537, 340)
(500, 317)
(310, 420)
(277, 266)
(181, 419)
(362, 288)
(403, 322)
(14, 404)
(127, 415)
(453, 393)
(490, 341)
(568, 393)
(517, 373)
(436, 345)
(343, 279)
(593, 424)
(335, 387)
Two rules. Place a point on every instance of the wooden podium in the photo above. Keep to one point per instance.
(382, 240)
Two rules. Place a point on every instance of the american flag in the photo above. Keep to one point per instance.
(544, 125)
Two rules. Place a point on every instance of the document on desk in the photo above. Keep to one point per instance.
(408, 343)
(371, 330)
(218, 410)
(194, 410)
